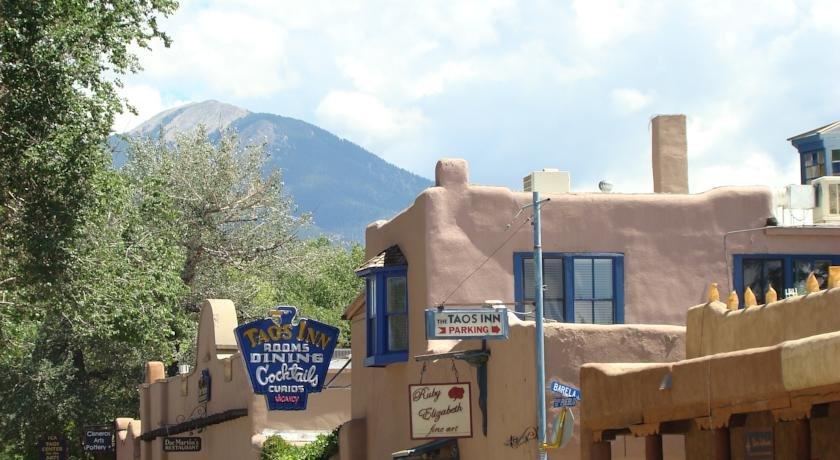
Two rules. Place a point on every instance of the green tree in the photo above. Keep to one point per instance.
(235, 224)
(76, 357)
(60, 62)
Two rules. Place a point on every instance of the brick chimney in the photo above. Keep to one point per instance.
(670, 154)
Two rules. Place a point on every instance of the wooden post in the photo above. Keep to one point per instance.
(802, 438)
(653, 447)
(721, 436)
(600, 451)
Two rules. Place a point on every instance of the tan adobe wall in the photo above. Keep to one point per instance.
(715, 329)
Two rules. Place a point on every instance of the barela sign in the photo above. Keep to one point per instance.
(286, 361)
(466, 323)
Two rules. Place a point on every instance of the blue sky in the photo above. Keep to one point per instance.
(517, 86)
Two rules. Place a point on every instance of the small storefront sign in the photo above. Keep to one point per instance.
(53, 447)
(182, 444)
(467, 323)
(758, 444)
(440, 410)
(204, 386)
(99, 438)
(286, 361)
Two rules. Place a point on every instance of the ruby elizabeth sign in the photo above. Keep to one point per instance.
(440, 410)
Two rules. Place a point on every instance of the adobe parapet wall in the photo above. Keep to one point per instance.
(713, 328)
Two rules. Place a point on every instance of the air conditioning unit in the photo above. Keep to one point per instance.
(827, 206)
(547, 181)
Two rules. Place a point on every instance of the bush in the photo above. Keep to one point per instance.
(324, 447)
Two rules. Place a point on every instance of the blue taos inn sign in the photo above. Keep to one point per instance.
(286, 360)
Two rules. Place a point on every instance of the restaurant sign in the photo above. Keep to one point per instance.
(758, 444)
(466, 323)
(286, 361)
(182, 444)
(99, 438)
(440, 410)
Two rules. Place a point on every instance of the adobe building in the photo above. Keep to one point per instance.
(216, 405)
(619, 272)
(759, 382)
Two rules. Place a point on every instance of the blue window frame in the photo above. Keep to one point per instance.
(785, 272)
(387, 315)
(579, 287)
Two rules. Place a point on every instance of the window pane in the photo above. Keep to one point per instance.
(583, 311)
(553, 309)
(603, 278)
(396, 294)
(773, 275)
(835, 155)
(371, 299)
(603, 310)
(752, 271)
(801, 270)
(528, 278)
(821, 272)
(583, 279)
(834, 198)
(553, 278)
(371, 336)
(397, 333)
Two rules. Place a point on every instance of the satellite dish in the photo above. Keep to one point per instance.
(605, 186)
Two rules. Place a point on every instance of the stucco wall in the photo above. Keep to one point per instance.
(511, 384)
(673, 246)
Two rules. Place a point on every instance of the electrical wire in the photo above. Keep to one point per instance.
(488, 257)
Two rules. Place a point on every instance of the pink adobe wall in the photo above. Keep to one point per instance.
(673, 247)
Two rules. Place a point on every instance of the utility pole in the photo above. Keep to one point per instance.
(540, 338)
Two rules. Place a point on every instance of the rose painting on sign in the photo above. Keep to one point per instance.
(440, 410)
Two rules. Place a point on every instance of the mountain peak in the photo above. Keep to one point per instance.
(214, 115)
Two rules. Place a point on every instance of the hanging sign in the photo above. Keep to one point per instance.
(53, 447)
(467, 323)
(98, 438)
(182, 444)
(286, 361)
(440, 411)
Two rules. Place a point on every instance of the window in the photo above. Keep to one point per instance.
(387, 316)
(833, 198)
(813, 164)
(787, 273)
(580, 288)
(759, 274)
(835, 162)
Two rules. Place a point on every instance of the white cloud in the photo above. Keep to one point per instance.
(604, 22)
(147, 101)
(232, 52)
(366, 119)
(630, 100)
(745, 168)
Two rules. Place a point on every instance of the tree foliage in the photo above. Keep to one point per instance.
(59, 67)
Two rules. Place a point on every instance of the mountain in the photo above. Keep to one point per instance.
(344, 186)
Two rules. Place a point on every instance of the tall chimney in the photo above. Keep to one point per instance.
(670, 154)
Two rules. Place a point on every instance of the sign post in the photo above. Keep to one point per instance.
(286, 361)
(540, 339)
(467, 323)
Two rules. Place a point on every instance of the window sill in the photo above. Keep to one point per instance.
(384, 360)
